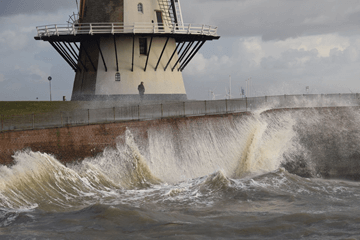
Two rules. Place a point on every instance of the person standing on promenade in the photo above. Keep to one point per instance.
(141, 89)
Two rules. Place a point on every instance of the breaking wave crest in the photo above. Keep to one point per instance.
(39, 180)
(125, 165)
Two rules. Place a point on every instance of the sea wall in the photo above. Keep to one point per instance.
(309, 142)
(75, 143)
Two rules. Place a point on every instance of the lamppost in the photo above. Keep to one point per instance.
(248, 87)
(50, 78)
(230, 87)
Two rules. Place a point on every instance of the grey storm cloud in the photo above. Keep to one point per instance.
(13, 7)
(275, 19)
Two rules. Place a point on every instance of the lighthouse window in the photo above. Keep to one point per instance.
(143, 46)
(140, 8)
(117, 77)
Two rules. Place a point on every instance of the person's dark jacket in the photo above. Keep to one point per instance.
(141, 89)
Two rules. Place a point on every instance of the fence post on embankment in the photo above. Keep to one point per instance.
(184, 109)
(88, 116)
(114, 114)
(226, 106)
(2, 122)
(138, 112)
(205, 107)
(33, 121)
(61, 118)
(246, 103)
(162, 111)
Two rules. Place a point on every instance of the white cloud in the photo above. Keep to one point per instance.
(201, 65)
(253, 53)
(13, 40)
(322, 43)
(317, 20)
(14, 87)
(34, 69)
(253, 49)
(17, 31)
(281, 67)
(276, 19)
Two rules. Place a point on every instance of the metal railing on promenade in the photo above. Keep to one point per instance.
(173, 109)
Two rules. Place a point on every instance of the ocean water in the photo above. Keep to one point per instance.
(272, 175)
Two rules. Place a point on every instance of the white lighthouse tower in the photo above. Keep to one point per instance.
(116, 44)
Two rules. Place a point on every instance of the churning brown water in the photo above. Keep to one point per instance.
(274, 175)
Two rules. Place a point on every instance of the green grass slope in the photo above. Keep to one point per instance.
(29, 107)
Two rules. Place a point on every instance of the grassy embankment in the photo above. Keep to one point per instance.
(35, 107)
(27, 114)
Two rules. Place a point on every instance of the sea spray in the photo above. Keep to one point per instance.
(193, 149)
(330, 142)
(269, 140)
(247, 145)
(125, 165)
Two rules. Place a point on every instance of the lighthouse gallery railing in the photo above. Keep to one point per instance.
(172, 109)
(118, 28)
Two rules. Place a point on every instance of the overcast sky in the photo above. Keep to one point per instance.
(282, 45)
